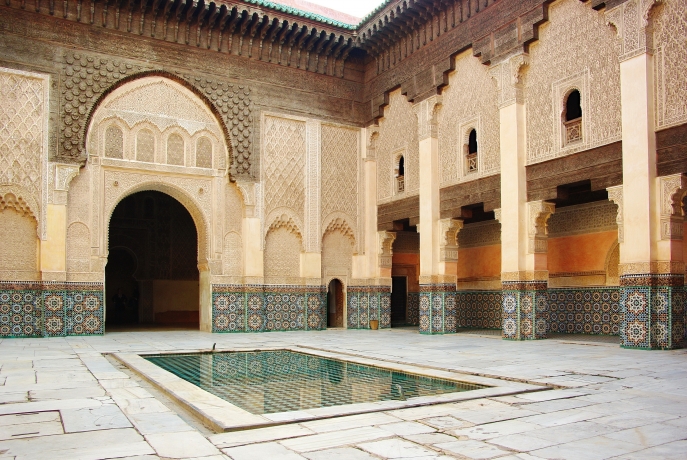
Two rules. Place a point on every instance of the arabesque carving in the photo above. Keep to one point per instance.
(632, 22)
(508, 78)
(615, 194)
(672, 189)
(670, 41)
(386, 244)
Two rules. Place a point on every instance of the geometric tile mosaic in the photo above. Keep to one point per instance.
(51, 309)
(367, 303)
(585, 311)
(438, 309)
(478, 309)
(525, 310)
(653, 309)
(266, 308)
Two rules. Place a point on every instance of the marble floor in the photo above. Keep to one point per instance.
(61, 398)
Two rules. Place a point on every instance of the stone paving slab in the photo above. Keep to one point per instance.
(622, 404)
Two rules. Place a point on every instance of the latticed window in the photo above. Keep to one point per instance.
(114, 142)
(400, 176)
(471, 157)
(572, 119)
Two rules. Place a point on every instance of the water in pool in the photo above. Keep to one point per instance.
(267, 382)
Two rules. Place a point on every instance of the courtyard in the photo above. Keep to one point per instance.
(68, 398)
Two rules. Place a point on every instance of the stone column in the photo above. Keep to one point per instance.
(437, 287)
(651, 273)
(523, 268)
(251, 234)
(311, 259)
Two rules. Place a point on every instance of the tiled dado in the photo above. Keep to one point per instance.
(654, 311)
(367, 303)
(413, 309)
(51, 309)
(437, 308)
(585, 310)
(525, 310)
(251, 308)
(478, 309)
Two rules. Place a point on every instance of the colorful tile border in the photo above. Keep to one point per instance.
(585, 311)
(413, 309)
(437, 309)
(525, 310)
(653, 306)
(267, 308)
(51, 309)
(367, 303)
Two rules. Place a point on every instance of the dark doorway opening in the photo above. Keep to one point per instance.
(335, 304)
(399, 300)
(151, 278)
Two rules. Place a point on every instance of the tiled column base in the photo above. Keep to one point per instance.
(257, 308)
(367, 303)
(654, 311)
(525, 310)
(438, 309)
(51, 309)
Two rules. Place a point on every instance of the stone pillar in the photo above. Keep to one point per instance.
(651, 271)
(523, 246)
(437, 288)
(251, 234)
(311, 259)
(53, 249)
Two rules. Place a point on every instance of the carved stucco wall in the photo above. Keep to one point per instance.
(19, 245)
(340, 175)
(598, 216)
(398, 135)
(576, 50)
(469, 101)
(232, 254)
(337, 256)
(86, 77)
(283, 166)
(156, 120)
(24, 116)
(78, 248)
(282, 256)
(670, 40)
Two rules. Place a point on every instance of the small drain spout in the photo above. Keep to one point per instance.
(213, 346)
(399, 388)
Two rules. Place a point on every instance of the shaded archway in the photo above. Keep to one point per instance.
(152, 273)
(335, 304)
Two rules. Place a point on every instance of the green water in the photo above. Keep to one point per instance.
(267, 382)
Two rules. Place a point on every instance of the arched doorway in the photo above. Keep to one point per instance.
(152, 277)
(335, 304)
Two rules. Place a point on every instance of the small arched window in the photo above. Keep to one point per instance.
(572, 117)
(204, 153)
(114, 142)
(471, 157)
(400, 175)
(175, 150)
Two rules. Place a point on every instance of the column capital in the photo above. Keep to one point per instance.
(671, 191)
(632, 22)
(508, 77)
(615, 194)
(386, 242)
(449, 239)
(427, 112)
(61, 176)
(371, 143)
(537, 225)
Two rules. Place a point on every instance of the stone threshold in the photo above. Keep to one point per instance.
(222, 416)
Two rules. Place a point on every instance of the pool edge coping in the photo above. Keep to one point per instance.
(222, 416)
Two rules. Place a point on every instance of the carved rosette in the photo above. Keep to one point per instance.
(449, 239)
(508, 77)
(427, 113)
(537, 227)
(672, 189)
(386, 243)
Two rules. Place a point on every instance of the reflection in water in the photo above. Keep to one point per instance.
(282, 381)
